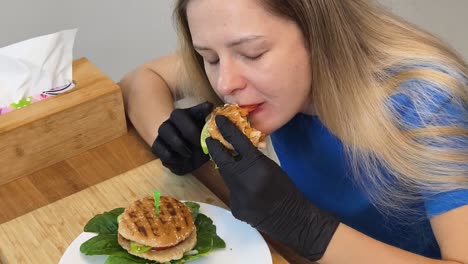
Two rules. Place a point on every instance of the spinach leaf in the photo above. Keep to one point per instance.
(205, 225)
(205, 232)
(102, 244)
(127, 260)
(218, 242)
(194, 208)
(105, 223)
(188, 258)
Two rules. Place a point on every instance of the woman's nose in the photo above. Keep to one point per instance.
(230, 78)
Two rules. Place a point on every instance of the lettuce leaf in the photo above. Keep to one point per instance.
(105, 243)
(124, 260)
(194, 208)
(105, 223)
(102, 244)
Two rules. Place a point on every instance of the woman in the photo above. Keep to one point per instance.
(367, 114)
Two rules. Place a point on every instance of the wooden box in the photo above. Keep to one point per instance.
(57, 128)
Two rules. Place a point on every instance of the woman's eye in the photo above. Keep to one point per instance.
(256, 57)
(212, 62)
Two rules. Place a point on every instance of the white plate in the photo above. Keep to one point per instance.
(243, 243)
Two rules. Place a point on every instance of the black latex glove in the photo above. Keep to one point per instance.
(264, 196)
(178, 141)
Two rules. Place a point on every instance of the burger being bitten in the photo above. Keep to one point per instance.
(162, 237)
(239, 117)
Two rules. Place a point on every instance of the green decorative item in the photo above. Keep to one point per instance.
(22, 103)
(157, 197)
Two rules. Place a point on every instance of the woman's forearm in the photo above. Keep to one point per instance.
(350, 246)
(148, 101)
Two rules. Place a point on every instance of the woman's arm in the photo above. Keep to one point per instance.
(451, 232)
(351, 246)
(149, 94)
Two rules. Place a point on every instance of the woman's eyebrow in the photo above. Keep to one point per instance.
(243, 40)
(233, 43)
(198, 47)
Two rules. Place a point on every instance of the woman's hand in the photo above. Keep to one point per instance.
(264, 196)
(178, 141)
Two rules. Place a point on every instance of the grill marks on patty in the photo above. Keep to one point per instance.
(140, 223)
(171, 209)
(142, 231)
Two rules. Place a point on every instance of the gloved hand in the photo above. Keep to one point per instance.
(264, 196)
(178, 140)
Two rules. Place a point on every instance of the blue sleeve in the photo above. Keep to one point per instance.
(444, 202)
(419, 104)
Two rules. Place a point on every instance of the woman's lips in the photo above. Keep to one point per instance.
(250, 107)
(257, 108)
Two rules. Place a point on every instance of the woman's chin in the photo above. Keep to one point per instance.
(264, 120)
(262, 126)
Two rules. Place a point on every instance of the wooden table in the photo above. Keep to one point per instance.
(42, 236)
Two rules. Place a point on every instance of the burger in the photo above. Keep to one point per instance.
(160, 237)
(239, 117)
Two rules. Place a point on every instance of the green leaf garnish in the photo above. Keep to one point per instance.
(105, 223)
(125, 260)
(194, 208)
(102, 244)
(218, 242)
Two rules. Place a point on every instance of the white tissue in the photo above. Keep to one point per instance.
(33, 66)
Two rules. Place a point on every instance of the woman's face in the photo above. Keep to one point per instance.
(252, 58)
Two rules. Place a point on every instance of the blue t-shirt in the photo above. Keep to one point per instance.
(315, 160)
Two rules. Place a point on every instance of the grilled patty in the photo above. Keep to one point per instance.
(139, 222)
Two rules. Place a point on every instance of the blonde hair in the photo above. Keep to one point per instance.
(361, 56)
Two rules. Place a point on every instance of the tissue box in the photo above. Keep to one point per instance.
(57, 128)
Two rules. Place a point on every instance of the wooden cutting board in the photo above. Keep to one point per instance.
(43, 235)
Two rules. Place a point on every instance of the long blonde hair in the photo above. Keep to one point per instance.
(362, 55)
